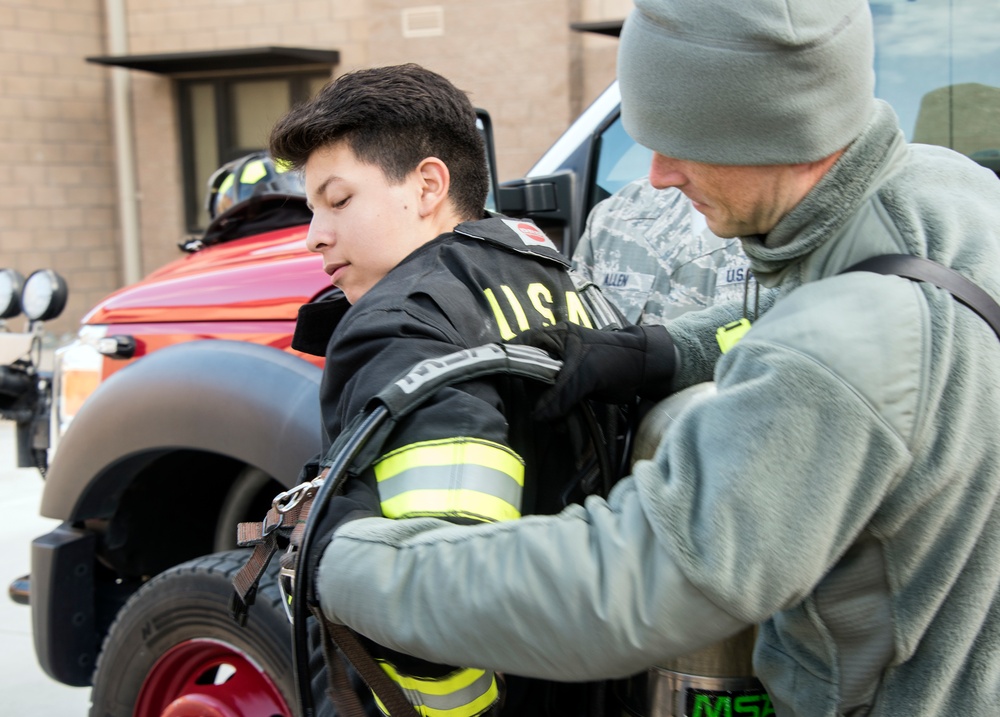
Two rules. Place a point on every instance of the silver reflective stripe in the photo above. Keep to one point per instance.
(465, 476)
(602, 313)
(433, 369)
(449, 701)
(456, 699)
(533, 356)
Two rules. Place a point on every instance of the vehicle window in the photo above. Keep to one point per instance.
(937, 62)
(619, 161)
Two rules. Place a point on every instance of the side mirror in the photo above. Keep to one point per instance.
(545, 199)
(548, 201)
(485, 126)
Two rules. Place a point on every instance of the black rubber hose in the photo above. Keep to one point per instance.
(334, 479)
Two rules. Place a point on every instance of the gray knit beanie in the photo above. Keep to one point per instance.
(747, 82)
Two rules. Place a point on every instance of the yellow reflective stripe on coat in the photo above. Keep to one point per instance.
(455, 477)
(462, 693)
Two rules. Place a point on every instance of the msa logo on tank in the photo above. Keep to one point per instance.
(530, 234)
(744, 703)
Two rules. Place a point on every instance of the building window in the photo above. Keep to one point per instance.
(228, 117)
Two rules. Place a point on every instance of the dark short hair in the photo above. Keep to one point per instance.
(393, 117)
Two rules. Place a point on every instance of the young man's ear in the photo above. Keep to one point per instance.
(435, 183)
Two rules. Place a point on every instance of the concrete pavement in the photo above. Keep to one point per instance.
(24, 688)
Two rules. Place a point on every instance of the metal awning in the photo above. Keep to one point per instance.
(243, 58)
(604, 27)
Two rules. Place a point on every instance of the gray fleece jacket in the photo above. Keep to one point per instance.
(840, 488)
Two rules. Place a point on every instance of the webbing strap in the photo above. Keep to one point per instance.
(388, 692)
(263, 538)
(425, 378)
(339, 688)
(248, 578)
(919, 269)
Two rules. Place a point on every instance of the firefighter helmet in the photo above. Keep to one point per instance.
(250, 176)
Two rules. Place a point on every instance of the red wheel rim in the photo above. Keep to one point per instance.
(208, 678)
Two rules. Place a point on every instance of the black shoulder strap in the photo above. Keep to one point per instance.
(920, 269)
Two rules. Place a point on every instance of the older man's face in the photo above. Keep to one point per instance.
(736, 200)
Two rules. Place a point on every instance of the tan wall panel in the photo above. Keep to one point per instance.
(516, 58)
(158, 170)
(514, 68)
(161, 26)
(56, 164)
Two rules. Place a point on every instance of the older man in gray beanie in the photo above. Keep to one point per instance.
(840, 489)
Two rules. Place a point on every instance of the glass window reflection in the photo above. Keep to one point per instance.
(937, 62)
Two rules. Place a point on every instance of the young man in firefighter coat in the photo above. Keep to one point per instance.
(396, 177)
(841, 489)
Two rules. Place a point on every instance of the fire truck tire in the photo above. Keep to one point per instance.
(174, 649)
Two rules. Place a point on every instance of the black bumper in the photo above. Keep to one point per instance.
(63, 604)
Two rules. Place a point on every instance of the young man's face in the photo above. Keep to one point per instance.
(736, 200)
(362, 225)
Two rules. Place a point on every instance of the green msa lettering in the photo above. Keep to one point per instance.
(745, 703)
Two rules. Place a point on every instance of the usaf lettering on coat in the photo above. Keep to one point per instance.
(510, 310)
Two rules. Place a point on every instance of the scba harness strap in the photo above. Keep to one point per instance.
(285, 524)
(354, 451)
(905, 266)
(916, 268)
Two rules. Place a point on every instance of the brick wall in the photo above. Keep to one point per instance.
(57, 191)
(517, 58)
(511, 56)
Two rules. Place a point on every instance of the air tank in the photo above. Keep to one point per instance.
(719, 679)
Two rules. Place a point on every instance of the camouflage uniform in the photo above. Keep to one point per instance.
(654, 257)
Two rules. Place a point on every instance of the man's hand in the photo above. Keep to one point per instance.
(357, 501)
(609, 366)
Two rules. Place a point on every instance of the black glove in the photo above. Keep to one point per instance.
(609, 366)
(357, 501)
